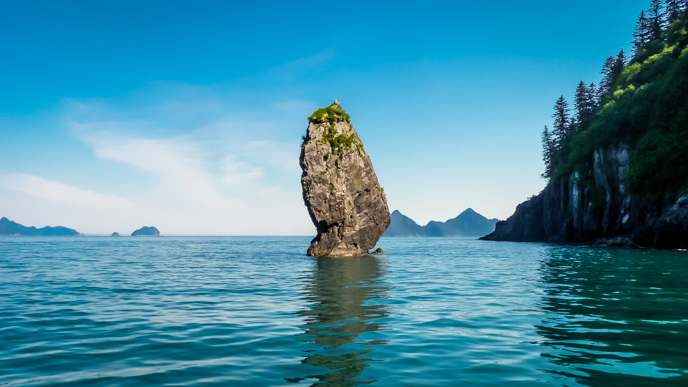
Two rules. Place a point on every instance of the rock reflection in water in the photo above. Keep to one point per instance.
(346, 303)
(616, 317)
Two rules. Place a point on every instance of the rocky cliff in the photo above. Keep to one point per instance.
(619, 170)
(571, 209)
(340, 189)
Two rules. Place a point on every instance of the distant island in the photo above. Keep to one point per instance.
(8, 227)
(146, 231)
(469, 223)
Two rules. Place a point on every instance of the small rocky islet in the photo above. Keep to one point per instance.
(340, 188)
(146, 231)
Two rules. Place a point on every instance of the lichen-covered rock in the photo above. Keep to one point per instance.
(340, 188)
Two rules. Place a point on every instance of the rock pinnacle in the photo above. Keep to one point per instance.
(340, 189)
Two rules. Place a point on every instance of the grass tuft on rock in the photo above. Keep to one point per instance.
(330, 114)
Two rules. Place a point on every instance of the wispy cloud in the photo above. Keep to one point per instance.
(188, 159)
(218, 178)
(293, 69)
(179, 164)
(52, 191)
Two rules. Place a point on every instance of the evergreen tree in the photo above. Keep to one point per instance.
(611, 69)
(562, 122)
(593, 97)
(641, 35)
(548, 150)
(620, 63)
(682, 5)
(607, 76)
(582, 104)
(672, 10)
(654, 16)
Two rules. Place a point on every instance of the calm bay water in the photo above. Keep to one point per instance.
(231, 311)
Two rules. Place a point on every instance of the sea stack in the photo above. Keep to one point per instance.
(340, 189)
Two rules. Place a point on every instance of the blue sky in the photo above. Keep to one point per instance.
(188, 115)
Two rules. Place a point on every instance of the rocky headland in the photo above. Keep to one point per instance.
(340, 189)
(618, 166)
(604, 212)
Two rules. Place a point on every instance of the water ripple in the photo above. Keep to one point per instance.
(258, 312)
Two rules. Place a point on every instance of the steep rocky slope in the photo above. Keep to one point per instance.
(603, 212)
(622, 177)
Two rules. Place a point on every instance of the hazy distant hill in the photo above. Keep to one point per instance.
(146, 231)
(468, 223)
(8, 227)
(403, 226)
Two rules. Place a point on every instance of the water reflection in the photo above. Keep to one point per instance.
(616, 317)
(346, 304)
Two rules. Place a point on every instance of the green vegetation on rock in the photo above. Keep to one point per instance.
(645, 108)
(330, 114)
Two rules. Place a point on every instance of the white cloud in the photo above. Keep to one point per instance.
(40, 188)
(36, 201)
(178, 163)
(238, 173)
(185, 159)
(208, 180)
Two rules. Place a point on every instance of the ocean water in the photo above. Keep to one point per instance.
(233, 311)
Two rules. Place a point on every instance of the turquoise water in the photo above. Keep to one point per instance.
(93, 311)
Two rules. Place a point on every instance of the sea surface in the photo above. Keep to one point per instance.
(256, 311)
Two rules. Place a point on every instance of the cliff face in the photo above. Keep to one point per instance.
(340, 189)
(570, 210)
(620, 171)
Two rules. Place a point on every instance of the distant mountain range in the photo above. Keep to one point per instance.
(468, 223)
(8, 227)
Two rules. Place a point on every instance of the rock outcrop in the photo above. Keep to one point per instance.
(146, 231)
(340, 189)
(601, 211)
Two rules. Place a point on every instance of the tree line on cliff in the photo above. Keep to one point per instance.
(641, 102)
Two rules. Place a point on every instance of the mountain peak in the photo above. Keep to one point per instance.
(468, 223)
